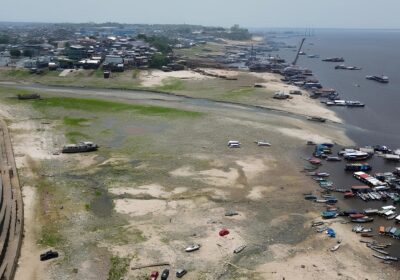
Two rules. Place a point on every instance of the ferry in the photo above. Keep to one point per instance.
(379, 79)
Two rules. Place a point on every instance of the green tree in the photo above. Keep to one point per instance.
(158, 60)
(15, 53)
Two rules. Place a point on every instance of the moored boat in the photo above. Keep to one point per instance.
(363, 220)
(380, 79)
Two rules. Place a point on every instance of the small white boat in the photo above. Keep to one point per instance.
(263, 143)
(192, 248)
(239, 249)
(335, 248)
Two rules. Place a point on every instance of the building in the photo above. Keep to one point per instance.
(77, 52)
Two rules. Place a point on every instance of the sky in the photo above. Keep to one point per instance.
(248, 13)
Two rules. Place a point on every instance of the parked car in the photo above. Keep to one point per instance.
(180, 273)
(165, 274)
(154, 275)
(48, 255)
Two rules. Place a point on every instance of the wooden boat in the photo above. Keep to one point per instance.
(356, 216)
(329, 214)
(366, 235)
(362, 220)
(192, 248)
(377, 250)
(239, 249)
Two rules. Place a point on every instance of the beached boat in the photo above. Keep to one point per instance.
(80, 147)
(316, 119)
(192, 248)
(335, 248)
(329, 214)
(356, 216)
(371, 211)
(239, 249)
(333, 158)
(356, 155)
(28, 96)
(358, 167)
(367, 235)
(363, 220)
(262, 143)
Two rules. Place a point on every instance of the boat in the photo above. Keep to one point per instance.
(333, 158)
(333, 59)
(371, 211)
(313, 56)
(262, 143)
(379, 79)
(80, 147)
(314, 161)
(192, 248)
(28, 96)
(357, 155)
(358, 167)
(344, 67)
(329, 214)
(356, 216)
(357, 103)
(362, 220)
(239, 249)
(316, 119)
(348, 194)
(367, 235)
(377, 250)
(336, 247)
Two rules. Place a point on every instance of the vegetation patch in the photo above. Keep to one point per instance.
(18, 73)
(118, 268)
(50, 236)
(172, 84)
(76, 136)
(96, 105)
(74, 121)
(239, 92)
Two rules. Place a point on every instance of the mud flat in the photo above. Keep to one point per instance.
(163, 179)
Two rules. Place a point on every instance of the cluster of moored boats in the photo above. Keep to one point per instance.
(383, 187)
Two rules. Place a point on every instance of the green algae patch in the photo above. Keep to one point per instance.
(96, 105)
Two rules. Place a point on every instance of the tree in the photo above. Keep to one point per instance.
(158, 60)
(15, 53)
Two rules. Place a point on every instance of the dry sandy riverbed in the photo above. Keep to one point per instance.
(185, 196)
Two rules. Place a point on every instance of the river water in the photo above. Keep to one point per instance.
(377, 53)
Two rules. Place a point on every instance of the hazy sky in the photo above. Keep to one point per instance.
(249, 13)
